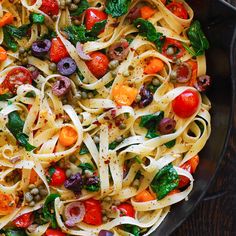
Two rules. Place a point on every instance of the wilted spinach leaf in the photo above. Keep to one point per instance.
(171, 143)
(117, 8)
(14, 232)
(5, 96)
(83, 5)
(86, 166)
(37, 18)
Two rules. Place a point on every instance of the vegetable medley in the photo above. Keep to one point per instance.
(103, 114)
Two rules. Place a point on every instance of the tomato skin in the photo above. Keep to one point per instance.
(58, 50)
(93, 16)
(186, 104)
(98, 65)
(58, 177)
(178, 9)
(189, 166)
(54, 232)
(50, 7)
(17, 77)
(126, 209)
(173, 43)
(7, 205)
(23, 221)
(93, 209)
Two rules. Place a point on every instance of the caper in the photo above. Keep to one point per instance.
(29, 52)
(43, 192)
(21, 50)
(28, 197)
(96, 139)
(24, 61)
(107, 199)
(126, 73)
(32, 204)
(113, 64)
(104, 219)
(68, 2)
(155, 82)
(54, 17)
(122, 126)
(73, 7)
(34, 191)
(68, 173)
(37, 198)
(73, 159)
(113, 74)
(76, 1)
(170, 51)
(52, 66)
(119, 139)
(138, 98)
(25, 54)
(173, 74)
(84, 95)
(61, 163)
(31, 186)
(77, 96)
(116, 202)
(136, 183)
(76, 22)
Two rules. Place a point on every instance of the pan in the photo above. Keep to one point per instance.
(218, 19)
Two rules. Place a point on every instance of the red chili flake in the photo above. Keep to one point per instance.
(110, 126)
(107, 162)
(96, 122)
(113, 113)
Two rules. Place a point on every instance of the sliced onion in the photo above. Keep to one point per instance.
(72, 219)
(81, 53)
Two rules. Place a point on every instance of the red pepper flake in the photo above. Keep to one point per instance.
(107, 162)
(113, 113)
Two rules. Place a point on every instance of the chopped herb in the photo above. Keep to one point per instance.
(30, 94)
(138, 160)
(17, 32)
(83, 5)
(50, 35)
(171, 143)
(113, 145)
(166, 180)
(9, 41)
(133, 229)
(86, 166)
(83, 150)
(129, 40)
(51, 171)
(37, 18)
(14, 232)
(98, 26)
(147, 29)
(23, 141)
(5, 96)
(117, 8)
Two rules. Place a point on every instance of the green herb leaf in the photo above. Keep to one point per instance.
(49, 211)
(17, 32)
(86, 166)
(133, 229)
(83, 5)
(5, 96)
(83, 150)
(23, 140)
(9, 41)
(117, 8)
(171, 143)
(98, 26)
(147, 29)
(37, 18)
(198, 39)
(165, 181)
(93, 188)
(113, 145)
(30, 94)
(138, 160)
(50, 35)
(14, 232)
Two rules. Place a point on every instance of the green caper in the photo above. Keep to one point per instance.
(122, 126)
(138, 98)
(76, 1)
(73, 7)
(107, 199)
(31, 186)
(29, 52)
(34, 191)
(28, 197)
(21, 50)
(113, 74)
(43, 192)
(24, 61)
(90, 95)
(73, 159)
(68, 2)
(84, 95)
(25, 54)
(170, 51)
(104, 219)
(119, 139)
(155, 82)
(76, 22)
(113, 64)
(52, 66)
(96, 139)
(116, 202)
(37, 198)
(68, 173)
(126, 73)
(32, 204)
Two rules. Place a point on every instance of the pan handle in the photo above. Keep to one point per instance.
(231, 6)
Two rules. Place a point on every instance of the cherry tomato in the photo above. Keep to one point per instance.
(50, 7)
(93, 16)
(24, 221)
(177, 47)
(189, 166)
(7, 205)
(98, 65)
(17, 77)
(54, 232)
(178, 9)
(93, 209)
(186, 104)
(57, 176)
(126, 209)
(58, 50)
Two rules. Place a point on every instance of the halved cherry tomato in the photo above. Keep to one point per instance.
(176, 45)
(93, 209)
(93, 16)
(3, 54)
(190, 166)
(154, 66)
(24, 221)
(54, 232)
(193, 65)
(178, 9)
(17, 77)
(7, 203)
(56, 175)
(173, 192)
(33, 176)
(58, 50)
(50, 7)
(98, 65)
(144, 196)
(147, 12)
(6, 19)
(126, 209)
(186, 104)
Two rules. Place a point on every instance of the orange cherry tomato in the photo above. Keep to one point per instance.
(3, 54)
(147, 12)
(68, 136)
(7, 203)
(54, 232)
(33, 177)
(154, 66)
(144, 196)
(93, 16)
(6, 19)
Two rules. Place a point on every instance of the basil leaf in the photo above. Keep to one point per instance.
(86, 166)
(98, 26)
(117, 8)
(147, 30)
(5, 96)
(152, 133)
(37, 18)
(83, 5)
(14, 232)
(165, 181)
(171, 143)
(48, 208)
(197, 38)
(23, 140)
(9, 41)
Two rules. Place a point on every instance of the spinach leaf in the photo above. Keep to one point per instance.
(171, 143)
(15, 125)
(98, 26)
(93, 188)
(83, 5)
(133, 229)
(150, 122)
(86, 166)
(9, 41)
(5, 96)
(83, 150)
(117, 8)
(14, 232)
(50, 35)
(37, 18)
(17, 32)
(30, 94)
(147, 29)
(48, 208)
(198, 39)
(113, 145)
(165, 181)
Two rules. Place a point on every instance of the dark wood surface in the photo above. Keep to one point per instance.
(216, 214)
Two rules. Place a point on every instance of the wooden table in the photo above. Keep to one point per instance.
(216, 214)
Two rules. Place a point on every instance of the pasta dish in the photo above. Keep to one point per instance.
(102, 114)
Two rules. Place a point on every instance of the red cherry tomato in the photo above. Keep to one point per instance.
(54, 232)
(93, 16)
(93, 209)
(189, 166)
(57, 176)
(23, 221)
(17, 77)
(176, 45)
(58, 50)
(50, 7)
(98, 65)
(186, 104)
(126, 209)
(178, 9)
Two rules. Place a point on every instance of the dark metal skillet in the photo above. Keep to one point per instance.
(218, 19)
